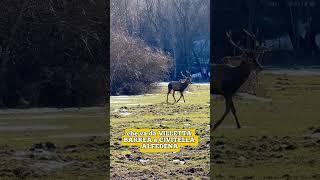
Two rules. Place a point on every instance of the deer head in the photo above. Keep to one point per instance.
(187, 78)
(250, 56)
(258, 50)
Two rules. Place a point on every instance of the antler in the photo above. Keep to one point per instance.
(250, 34)
(189, 74)
(183, 75)
(232, 42)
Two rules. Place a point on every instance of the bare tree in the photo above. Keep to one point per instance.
(172, 26)
(134, 66)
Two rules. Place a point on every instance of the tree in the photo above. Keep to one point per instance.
(172, 26)
(134, 66)
(53, 53)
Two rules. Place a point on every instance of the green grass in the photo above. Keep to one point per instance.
(273, 143)
(253, 151)
(83, 129)
(152, 111)
(83, 122)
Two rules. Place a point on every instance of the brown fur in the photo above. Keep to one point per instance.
(180, 86)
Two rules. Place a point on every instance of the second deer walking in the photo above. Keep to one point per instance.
(226, 79)
(180, 86)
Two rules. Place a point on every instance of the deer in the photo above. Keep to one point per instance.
(227, 79)
(180, 86)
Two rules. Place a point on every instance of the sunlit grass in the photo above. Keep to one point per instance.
(286, 119)
(152, 111)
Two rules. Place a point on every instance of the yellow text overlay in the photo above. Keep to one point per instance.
(160, 140)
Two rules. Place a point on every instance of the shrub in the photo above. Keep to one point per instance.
(134, 66)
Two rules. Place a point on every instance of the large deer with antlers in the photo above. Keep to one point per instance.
(227, 79)
(180, 86)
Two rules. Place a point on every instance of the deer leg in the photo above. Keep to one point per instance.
(168, 96)
(233, 110)
(224, 115)
(174, 97)
(181, 95)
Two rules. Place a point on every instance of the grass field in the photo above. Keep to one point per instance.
(152, 111)
(280, 138)
(53, 144)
